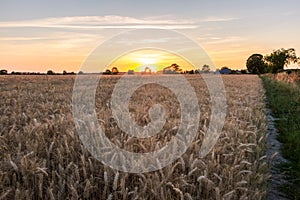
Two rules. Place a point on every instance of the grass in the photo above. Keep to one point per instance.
(284, 100)
(42, 157)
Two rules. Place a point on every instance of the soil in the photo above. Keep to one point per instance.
(277, 178)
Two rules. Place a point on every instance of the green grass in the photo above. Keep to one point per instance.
(284, 100)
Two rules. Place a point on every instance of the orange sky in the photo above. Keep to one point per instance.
(156, 60)
(69, 55)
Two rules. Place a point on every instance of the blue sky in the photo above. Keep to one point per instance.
(56, 34)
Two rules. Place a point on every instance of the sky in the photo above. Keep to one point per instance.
(60, 35)
(155, 60)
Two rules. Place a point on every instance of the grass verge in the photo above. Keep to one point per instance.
(284, 100)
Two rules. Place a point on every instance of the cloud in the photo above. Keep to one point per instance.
(101, 22)
(22, 38)
(113, 22)
(84, 29)
(222, 40)
(59, 37)
(218, 19)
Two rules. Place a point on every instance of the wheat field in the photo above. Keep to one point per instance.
(42, 157)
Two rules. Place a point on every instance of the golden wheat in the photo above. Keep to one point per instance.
(42, 157)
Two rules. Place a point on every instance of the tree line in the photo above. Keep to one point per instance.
(256, 64)
(271, 63)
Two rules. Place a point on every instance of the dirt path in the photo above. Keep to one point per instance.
(277, 179)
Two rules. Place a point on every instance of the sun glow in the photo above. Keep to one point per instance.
(148, 68)
(149, 60)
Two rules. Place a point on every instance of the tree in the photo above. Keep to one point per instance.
(114, 70)
(256, 65)
(3, 71)
(243, 71)
(281, 57)
(205, 68)
(130, 72)
(191, 72)
(107, 72)
(172, 69)
(225, 70)
(147, 70)
(50, 72)
(68, 73)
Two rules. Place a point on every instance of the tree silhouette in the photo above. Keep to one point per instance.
(3, 71)
(225, 70)
(114, 70)
(172, 69)
(205, 68)
(147, 70)
(50, 72)
(107, 72)
(130, 71)
(281, 57)
(255, 64)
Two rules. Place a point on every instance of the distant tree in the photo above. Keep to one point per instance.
(50, 72)
(15, 73)
(205, 68)
(281, 57)
(234, 72)
(107, 72)
(172, 69)
(191, 72)
(256, 65)
(243, 71)
(68, 73)
(114, 70)
(130, 72)
(147, 70)
(80, 72)
(225, 70)
(3, 71)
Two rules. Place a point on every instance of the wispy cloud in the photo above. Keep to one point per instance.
(83, 30)
(22, 38)
(101, 22)
(53, 40)
(113, 22)
(218, 19)
(222, 40)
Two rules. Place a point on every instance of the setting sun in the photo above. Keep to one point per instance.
(154, 60)
(147, 59)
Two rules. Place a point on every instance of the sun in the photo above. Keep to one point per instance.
(149, 60)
